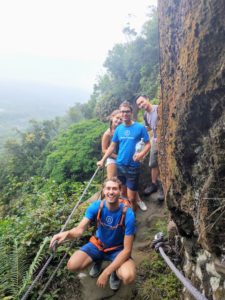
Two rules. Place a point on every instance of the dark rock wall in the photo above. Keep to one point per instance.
(192, 130)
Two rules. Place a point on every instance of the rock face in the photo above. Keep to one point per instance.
(192, 130)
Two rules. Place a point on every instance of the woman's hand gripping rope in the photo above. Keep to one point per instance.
(100, 163)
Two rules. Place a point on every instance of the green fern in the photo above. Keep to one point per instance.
(14, 272)
(18, 267)
(4, 268)
(34, 266)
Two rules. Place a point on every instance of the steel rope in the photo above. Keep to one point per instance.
(54, 245)
(55, 271)
(193, 291)
(84, 192)
(37, 277)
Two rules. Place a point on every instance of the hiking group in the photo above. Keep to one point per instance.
(114, 215)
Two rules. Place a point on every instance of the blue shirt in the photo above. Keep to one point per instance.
(128, 137)
(111, 237)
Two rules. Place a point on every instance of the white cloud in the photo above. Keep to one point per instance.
(80, 31)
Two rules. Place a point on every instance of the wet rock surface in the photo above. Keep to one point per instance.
(192, 131)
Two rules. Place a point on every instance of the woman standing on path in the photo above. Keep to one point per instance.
(115, 120)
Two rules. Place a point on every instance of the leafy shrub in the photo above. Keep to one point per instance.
(156, 281)
(39, 212)
(73, 155)
(15, 274)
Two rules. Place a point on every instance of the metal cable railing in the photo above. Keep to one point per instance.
(30, 288)
(158, 244)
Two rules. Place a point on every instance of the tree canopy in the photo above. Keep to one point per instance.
(43, 170)
(74, 153)
(131, 69)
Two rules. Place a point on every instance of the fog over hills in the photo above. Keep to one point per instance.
(23, 101)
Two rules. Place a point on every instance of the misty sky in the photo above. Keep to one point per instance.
(63, 42)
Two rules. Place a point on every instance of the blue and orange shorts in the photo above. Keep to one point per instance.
(96, 254)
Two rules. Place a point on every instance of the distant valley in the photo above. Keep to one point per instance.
(23, 101)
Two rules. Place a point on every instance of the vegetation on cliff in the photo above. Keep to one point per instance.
(44, 170)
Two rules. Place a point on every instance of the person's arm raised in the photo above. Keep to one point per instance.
(108, 152)
(106, 140)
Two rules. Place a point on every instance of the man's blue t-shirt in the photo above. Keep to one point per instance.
(128, 137)
(108, 236)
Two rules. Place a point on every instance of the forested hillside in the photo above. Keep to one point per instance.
(43, 169)
(22, 101)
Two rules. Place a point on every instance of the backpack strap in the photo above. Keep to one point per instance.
(122, 220)
(99, 212)
(125, 201)
(95, 241)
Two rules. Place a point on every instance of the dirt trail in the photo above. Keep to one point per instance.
(144, 220)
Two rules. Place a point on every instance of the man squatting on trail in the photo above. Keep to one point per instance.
(113, 240)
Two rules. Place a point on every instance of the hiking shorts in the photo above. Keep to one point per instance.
(129, 176)
(96, 254)
(153, 160)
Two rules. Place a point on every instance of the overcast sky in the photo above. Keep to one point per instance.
(63, 42)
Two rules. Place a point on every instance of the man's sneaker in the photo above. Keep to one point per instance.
(151, 189)
(160, 197)
(95, 269)
(114, 281)
(142, 205)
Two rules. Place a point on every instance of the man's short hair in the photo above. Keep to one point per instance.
(113, 179)
(126, 104)
(144, 96)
